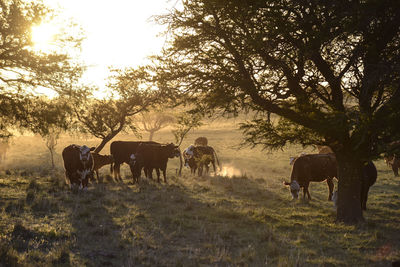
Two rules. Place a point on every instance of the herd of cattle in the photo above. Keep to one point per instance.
(81, 163)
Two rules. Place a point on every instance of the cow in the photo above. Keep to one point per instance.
(190, 162)
(394, 162)
(78, 164)
(368, 178)
(121, 152)
(199, 157)
(100, 161)
(312, 168)
(152, 156)
(201, 141)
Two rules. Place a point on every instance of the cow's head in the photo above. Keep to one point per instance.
(173, 151)
(294, 188)
(84, 154)
(86, 160)
(188, 152)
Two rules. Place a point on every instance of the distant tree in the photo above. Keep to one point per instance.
(51, 140)
(184, 123)
(105, 118)
(49, 118)
(23, 69)
(329, 69)
(154, 121)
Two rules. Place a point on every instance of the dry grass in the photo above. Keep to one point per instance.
(244, 218)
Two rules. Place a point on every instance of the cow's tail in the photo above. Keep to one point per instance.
(111, 168)
(219, 165)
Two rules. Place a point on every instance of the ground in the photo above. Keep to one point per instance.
(243, 216)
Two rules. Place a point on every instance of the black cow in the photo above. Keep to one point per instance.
(121, 152)
(78, 164)
(152, 156)
(368, 178)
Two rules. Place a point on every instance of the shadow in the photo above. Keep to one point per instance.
(96, 235)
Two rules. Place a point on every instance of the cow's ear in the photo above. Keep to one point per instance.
(286, 183)
(92, 148)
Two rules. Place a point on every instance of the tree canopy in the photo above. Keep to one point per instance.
(329, 69)
(24, 69)
(133, 93)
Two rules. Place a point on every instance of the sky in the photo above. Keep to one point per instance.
(119, 33)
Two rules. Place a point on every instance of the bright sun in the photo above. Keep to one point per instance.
(43, 37)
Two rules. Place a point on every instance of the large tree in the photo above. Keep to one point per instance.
(329, 69)
(24, 69)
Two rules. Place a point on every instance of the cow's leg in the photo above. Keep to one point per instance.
(395, 169)
(116, 171)
(158, 174)
(165, 174)
(305, 191)
(330, 186)
(150, 173)
(364, 196)
(201, 170)
(207, 169)
(213, 163)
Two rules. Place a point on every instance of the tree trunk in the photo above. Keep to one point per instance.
(52, 158)
(105, 141)
(349, 206)
(151, 135)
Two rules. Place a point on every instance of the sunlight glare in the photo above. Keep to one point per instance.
(43, 37)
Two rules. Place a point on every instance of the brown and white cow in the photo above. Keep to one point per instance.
(199, 157)
(312, 168)
(78, 164)
(100, 161)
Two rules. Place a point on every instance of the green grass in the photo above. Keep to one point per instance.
(246, 220)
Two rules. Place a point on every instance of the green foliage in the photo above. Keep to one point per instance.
(274, 136)
(284, 58)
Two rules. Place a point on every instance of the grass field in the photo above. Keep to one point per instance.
(243, 217)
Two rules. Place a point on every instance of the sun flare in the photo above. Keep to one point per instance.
(43, 37)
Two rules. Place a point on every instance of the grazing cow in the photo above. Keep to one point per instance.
(312, 168)
(369, 176)
(78, 163)
(121, 152)
(203, 156)
(152, 156)
(100, 161)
